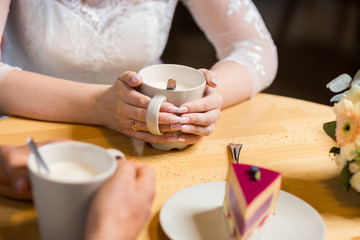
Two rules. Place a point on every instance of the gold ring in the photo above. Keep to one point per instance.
(133, 124)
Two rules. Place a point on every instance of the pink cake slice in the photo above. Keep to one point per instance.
(249, 201)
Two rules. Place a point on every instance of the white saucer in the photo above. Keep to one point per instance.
(195, 213)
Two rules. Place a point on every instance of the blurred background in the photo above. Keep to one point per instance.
(317, 40)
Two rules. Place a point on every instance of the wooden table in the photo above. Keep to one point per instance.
(279, 133)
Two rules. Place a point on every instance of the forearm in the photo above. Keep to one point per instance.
(235, 84)
(37, 96)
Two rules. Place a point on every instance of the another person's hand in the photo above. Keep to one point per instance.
(201, 115)
(123, 204)
(14, 179)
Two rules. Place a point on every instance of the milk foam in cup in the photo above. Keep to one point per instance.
(62, 197)
(71, 171)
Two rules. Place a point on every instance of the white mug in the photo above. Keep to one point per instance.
(62, 197)
(190, 86)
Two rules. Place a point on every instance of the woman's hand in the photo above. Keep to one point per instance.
(122, 104)
(199, 116)
(123, 204)
(14, 179)
(124, 109)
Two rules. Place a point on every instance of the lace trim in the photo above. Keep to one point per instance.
(100, 14)
(252, 16)
(248, 54)
(233, 7)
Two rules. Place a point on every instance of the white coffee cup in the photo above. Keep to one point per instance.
(62, 200)
(190, 85)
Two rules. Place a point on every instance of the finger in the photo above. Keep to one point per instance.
(150, 138)
(135, 98)
(141, 126)
(167, 137)
(132, 97)
(198, 130)
(139, 115)
(125, 172)
(22, 185)
(210, 76)
(167, 123)
(9, 191)
(174, 109)
(203, 119)
(132, 79)
(138, 104)
(211, 100)
(146, 181)
(189, 138)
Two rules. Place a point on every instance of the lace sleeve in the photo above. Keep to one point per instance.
(4, 9)
(239, 34)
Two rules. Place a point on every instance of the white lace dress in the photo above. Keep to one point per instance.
(95, 41)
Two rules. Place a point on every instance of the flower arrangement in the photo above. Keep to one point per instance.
(346, 129)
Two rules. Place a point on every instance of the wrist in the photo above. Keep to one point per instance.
(101, 105)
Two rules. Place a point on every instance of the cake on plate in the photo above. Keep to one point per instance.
(250, 198)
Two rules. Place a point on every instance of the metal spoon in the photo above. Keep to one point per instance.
(235, 151)
(37, 154)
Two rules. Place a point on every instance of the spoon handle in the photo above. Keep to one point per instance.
(36, 153)
(235, 151)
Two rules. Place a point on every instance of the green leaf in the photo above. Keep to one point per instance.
(342, 184)
(345, 177)
(329, 128)
(335, 150)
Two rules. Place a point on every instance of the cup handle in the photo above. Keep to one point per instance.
(152, 114)
(115, 153)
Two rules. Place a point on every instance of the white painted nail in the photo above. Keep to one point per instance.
(214, 80)
(135, 78)
(176, 126)
(172, 139)
(186, 128)
(184, 120)
(172, 109)
(174, 119)
(181, 139)
(182, 110)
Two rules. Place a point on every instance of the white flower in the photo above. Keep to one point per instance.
(348, 151)
(355, 181)
(340, 162)
(354, 167)
(347, 127)
(354, 94)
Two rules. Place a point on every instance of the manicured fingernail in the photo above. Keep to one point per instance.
(186, 128)
(174, 119)
(181, 139)
(182, 110)
(172, 139)
(214, 80)
(175, 126)
(184, 120)
(135, 78)
(172, 109)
